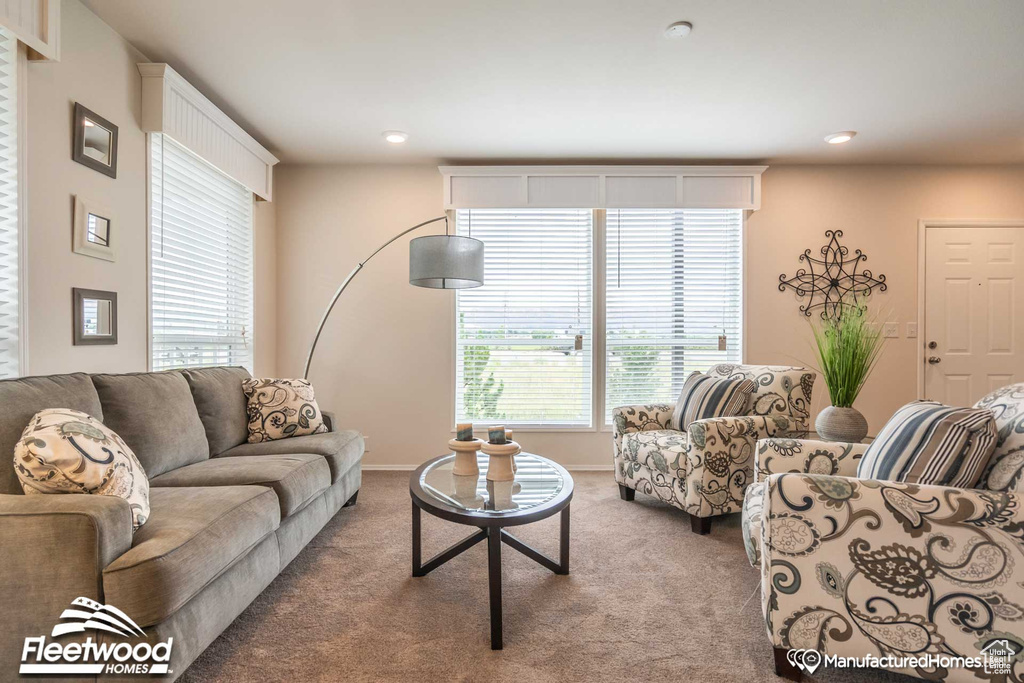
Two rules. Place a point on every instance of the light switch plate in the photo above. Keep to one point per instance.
(366, 444)
(891, 330)
(911, 330)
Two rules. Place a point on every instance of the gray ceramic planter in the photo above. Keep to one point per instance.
(841, 424)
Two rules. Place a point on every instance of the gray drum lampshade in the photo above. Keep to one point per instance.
(446, 262)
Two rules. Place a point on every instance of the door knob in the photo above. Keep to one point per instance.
(934, 360)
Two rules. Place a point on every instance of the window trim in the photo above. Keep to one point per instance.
(599, 329)
(23, 236)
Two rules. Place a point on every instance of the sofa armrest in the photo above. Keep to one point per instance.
(779, 456)
(858, 567)
(54, 550)
(721, 460)
(639, 418)
(330, 421)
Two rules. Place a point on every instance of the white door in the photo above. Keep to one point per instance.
(973, 326)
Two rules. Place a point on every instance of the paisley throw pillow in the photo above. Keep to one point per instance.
(67, 451)
(280, 408)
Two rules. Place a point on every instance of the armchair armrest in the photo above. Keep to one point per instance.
(778, 456)
(54, 550)
(720, 460)
(639, 418)
(858, 567)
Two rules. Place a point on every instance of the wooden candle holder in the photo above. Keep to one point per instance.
(465, 456)
(501, 460)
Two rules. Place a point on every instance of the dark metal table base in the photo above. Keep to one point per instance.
(495, 536)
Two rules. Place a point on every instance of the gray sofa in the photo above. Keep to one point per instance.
(226, 516)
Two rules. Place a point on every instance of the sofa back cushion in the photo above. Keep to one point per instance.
(1005, 470)
(781, 391)
(22, 398)
(926, 442)
(155, 415)
(221, 403)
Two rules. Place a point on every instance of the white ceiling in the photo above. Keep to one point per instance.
(596, 80)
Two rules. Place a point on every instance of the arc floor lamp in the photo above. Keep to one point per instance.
(435, 261)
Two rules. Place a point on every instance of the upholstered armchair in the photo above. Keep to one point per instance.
(858, 567)
(706, 469)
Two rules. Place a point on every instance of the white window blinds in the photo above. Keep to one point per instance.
(10, 243)
(201, 266)
(523, 340)
(673, 287)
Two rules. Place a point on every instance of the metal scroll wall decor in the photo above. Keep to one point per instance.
(833, 281)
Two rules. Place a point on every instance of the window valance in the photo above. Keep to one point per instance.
(600, 187)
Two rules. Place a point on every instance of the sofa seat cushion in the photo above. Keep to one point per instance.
(661, 450)
(341, 449)
(192, 536)
(221, 404)
(155, 415)
(296, 478)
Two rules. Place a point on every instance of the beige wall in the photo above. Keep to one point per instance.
(265, 290)
(878, 209)
(98, 69)
(385, 360)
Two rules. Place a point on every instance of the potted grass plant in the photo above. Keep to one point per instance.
(847, 347)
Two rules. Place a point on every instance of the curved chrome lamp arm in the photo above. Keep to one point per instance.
(330, 307)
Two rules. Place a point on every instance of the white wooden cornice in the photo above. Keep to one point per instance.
(599, 187)
(173, 107)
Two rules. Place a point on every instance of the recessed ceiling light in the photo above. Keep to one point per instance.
(680, 29)
(395, 137)
(840, 137)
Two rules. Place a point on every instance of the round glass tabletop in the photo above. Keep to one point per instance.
(537, 481)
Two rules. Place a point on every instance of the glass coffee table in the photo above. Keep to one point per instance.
(540, 489)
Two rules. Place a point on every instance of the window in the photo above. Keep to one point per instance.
(671, 300)
(673, 289)
(10, 242)
(523, 341)
(201, 262)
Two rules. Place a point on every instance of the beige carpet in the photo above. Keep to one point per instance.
(646, 599)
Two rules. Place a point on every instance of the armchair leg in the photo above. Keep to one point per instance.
(700, 525)
(351, 501)
(783, 667)
(626, 493)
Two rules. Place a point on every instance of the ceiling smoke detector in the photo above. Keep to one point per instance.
(680, 29)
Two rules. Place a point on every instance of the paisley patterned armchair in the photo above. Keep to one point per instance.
(858, 567)
(706, 469)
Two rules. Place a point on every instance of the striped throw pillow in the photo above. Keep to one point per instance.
(930, 443)
(705, 397)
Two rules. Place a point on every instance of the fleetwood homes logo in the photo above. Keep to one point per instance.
(91, 657)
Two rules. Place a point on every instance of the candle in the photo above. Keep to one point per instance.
(496, 434)
(464, 431)
(508, 435)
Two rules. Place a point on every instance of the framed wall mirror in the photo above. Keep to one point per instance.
(95, 141)
(94, 230)
(95, 316)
